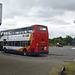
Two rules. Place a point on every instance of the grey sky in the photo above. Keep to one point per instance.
(58, 15)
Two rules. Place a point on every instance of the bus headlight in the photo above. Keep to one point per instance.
(45, 48)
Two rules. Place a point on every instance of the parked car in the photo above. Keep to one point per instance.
(59, 45)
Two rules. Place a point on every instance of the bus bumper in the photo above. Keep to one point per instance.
(29, 53)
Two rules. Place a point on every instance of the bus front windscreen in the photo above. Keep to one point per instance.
(43, 28)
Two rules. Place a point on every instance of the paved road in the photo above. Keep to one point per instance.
(13, 64)
(62, 53)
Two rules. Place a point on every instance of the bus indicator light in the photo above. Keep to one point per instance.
(37, 44)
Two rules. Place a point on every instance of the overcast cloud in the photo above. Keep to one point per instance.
(58, 15)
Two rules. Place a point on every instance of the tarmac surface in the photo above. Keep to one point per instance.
(14, 64)
(62, 53)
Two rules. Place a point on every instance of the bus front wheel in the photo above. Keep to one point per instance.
(24, 52)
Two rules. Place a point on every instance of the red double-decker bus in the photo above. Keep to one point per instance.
(31, 40)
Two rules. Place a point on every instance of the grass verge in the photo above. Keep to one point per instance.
(70, 69)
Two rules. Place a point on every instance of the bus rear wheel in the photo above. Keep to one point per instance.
(5, 49)
(24, 52)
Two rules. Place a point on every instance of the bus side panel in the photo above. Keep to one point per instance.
(33, 42)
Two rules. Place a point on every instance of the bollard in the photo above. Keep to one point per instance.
(63, 70)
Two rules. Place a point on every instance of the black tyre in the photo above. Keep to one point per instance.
(24, 52)
(5, 49)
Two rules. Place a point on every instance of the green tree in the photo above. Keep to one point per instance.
(68, 39)
(61, 38)
(51, 42)
(74, 38)
(57, 40)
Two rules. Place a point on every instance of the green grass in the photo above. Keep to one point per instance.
(70, 69)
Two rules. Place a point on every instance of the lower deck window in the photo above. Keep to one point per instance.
(17, 43)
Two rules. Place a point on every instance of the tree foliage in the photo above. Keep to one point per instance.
(68, 39)
(64, 41)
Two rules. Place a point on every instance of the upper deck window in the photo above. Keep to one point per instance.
(18, 31)
(43, 28)
(31, 30)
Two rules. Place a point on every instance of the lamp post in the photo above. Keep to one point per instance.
(0, 13)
